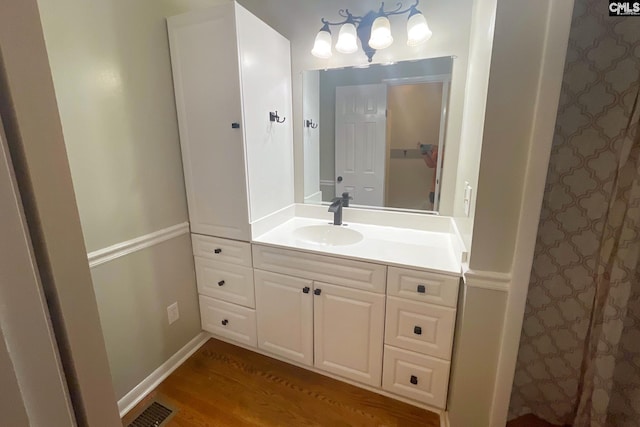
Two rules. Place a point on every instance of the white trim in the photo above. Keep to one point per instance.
(544, 121)
(444, 419)
(435, 78)
(147, 385)
(118, 250)
(488, 280)
(314, 198)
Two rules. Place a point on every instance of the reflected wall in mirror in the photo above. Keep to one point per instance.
(378, 133)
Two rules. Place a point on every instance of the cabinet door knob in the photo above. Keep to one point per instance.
(417, 330)
(413, 380)
(217, 251)
(221, 283)
(224, 322)
(306, 290)
(422, 289)
(317, 291)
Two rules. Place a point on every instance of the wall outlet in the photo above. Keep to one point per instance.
(173, 313)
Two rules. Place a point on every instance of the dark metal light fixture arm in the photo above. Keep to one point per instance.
(364, 23)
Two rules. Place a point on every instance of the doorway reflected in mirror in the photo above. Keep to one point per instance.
(381, 134)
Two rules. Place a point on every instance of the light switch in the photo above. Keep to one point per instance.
(467, 198)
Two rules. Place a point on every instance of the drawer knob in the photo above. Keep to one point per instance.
(217, 251)
(413, 380)
(317, 291)
(417, 330)
(422, 289)
(224, 322)
(306, 290)
(221, 283)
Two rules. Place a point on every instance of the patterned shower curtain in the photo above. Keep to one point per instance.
(615, 280)
(579, 358)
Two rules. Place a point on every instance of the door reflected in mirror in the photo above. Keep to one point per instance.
(379, 134)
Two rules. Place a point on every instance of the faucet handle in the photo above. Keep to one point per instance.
(345, 199)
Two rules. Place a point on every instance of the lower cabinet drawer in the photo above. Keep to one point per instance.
(416, 376)
(228, 282)
(421, 327)
(228, 320)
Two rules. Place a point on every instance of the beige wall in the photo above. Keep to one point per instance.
(112, 76)
(35, 139)
(133, 293)
(12, 403)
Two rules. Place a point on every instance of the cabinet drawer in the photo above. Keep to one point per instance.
(422, 286)
(228, 320)
(223, 250)
(344, 272)
(228, 282)
(421, 327)
(416, 376)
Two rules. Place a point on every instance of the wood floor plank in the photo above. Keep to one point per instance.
(225, 385)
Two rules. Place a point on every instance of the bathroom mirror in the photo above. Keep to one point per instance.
(377, 132)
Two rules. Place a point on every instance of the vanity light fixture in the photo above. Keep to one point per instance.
(373, 30)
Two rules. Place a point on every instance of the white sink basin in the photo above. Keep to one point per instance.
(327, 235)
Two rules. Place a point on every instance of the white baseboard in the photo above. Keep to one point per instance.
(444, 419)
(147, 385)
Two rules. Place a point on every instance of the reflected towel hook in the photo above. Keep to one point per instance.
(274, 117)
(310, 124)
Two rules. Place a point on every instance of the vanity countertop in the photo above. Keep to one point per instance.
(424, 250)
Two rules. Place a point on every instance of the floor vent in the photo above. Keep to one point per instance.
(155, 415)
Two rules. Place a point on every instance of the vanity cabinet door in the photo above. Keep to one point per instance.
(284, 306)
(349, 326)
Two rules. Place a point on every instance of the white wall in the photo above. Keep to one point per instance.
(473, 115)
(311, 137)
(265, 70)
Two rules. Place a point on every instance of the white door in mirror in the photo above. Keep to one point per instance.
(361, 142)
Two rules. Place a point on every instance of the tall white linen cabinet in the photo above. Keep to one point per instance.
(230, 71)
(232, 81)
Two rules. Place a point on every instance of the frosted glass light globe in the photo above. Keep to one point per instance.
(347, 39)
(418, 31)
(381, 33)
(322, 45)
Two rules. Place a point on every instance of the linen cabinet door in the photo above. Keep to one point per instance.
(349, 329)
(284, 307)
(208, 105)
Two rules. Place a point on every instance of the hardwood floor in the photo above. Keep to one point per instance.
(529, 421)
(225, 385)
